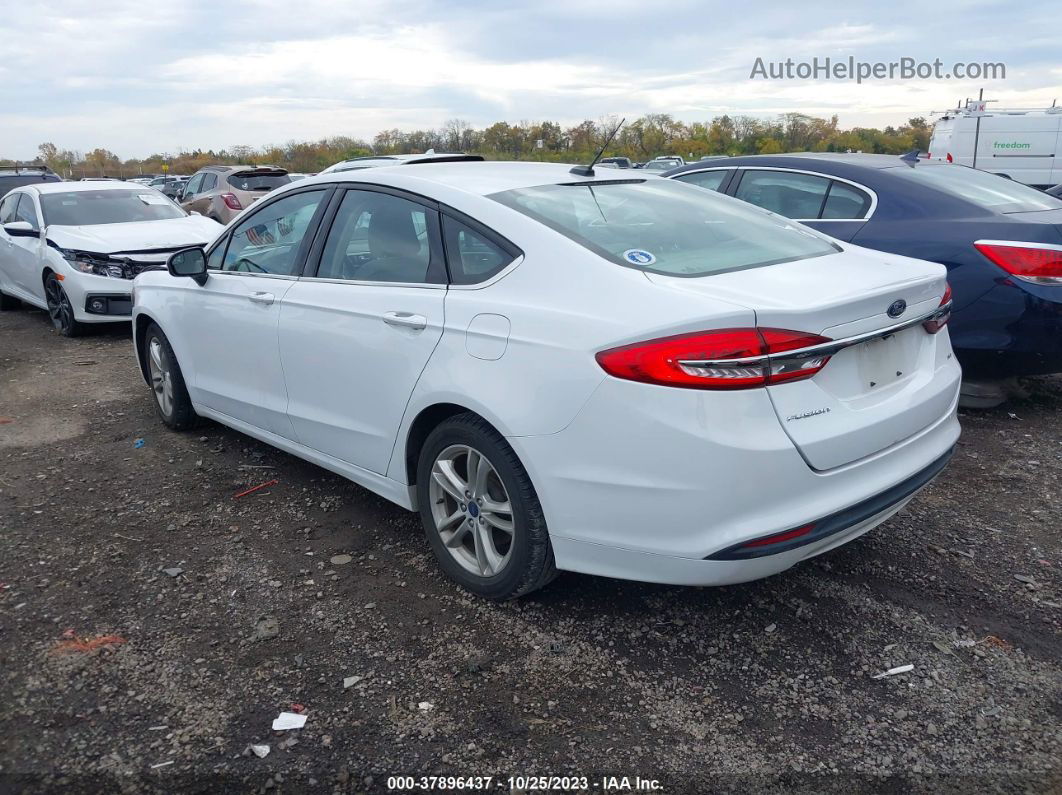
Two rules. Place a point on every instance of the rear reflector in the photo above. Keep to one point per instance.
(1028, 261)
(778, 538)
(939, 322)
(716, 359)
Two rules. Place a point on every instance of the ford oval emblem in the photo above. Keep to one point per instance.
(897, 308)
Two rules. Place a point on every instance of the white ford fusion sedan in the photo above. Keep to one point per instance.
(603, 373)
(73, 248)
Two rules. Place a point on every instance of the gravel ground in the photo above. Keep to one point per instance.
(152, 627)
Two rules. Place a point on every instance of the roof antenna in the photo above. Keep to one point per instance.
(588, 171)
(912, 156)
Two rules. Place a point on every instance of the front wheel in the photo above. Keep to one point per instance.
(60, 310)
(480, 511)
(167, 382)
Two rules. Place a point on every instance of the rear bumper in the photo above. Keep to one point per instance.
(649, 483)
(1013, 329)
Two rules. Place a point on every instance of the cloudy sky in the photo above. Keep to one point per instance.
(158, 75)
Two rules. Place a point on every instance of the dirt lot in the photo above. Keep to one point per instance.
(116, 674)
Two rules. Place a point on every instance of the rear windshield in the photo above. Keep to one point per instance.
(666, 227)
(264, 182)
(86, 207)
(990, 191)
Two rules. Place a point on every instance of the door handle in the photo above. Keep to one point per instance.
(262, 298)
(406, 319)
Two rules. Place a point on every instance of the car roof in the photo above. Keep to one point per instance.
(802, 159)
(73, 187)
(478, 178)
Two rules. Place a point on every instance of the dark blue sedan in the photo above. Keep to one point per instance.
(1000, 240)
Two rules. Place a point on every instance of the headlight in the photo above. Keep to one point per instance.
(87, 263)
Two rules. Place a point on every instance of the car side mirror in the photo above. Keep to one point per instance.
(189, 262)
(21, 229)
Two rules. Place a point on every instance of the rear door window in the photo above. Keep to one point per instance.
(378, 237)
(796, 196)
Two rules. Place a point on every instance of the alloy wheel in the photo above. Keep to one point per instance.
(161, 378)
(471, 510)
(59, 308)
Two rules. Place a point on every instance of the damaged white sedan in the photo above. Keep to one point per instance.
(73, 248)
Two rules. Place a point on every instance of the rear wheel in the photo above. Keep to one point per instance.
(167, 382)
(60, 310)
(480, 511)
(8, 302)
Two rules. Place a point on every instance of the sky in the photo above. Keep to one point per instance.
(146, 76)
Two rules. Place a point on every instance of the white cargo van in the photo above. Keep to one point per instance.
(1025, 145)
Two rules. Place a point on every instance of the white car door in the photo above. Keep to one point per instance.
(20, 256)
(356, 335)
(230, 331)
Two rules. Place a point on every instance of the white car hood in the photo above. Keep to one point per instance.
(140, 236)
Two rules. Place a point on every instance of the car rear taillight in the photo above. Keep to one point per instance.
(1028, 261)
(736, 358)
(935, 324)
(231, 201)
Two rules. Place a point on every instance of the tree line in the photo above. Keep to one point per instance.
(641, 139)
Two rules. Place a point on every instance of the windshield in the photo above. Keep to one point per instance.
(666, 227)
(89, 207)
(986, 190)
(661, 165)
(255, 182)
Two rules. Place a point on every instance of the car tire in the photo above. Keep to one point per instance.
(167, 382)
(60, 310)
(8, 302)
(488, 533)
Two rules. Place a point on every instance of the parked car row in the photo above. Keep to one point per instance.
(559, 369)
(1000, 240)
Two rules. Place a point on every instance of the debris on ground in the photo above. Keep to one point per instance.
(899, 669)
(266, 628)
(288, 720)
(261, 751)
(174, 571)
(350, 681)
(340, 560)
(253, 489)
(425, 706)
(138, 443)
(75, 644)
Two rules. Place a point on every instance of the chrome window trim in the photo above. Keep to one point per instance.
(330, 280)
(823, 349)
(245, 274)
(873, 195)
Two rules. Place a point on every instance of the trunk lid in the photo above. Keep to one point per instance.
(868, 396)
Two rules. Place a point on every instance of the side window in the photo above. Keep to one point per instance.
(845, 202)
(705, 179)
(377, 237)
(192, 188)
(26, 211)
(472, 257)
(797, 196)
(269, 241)
(7, 208)
(210, 181)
